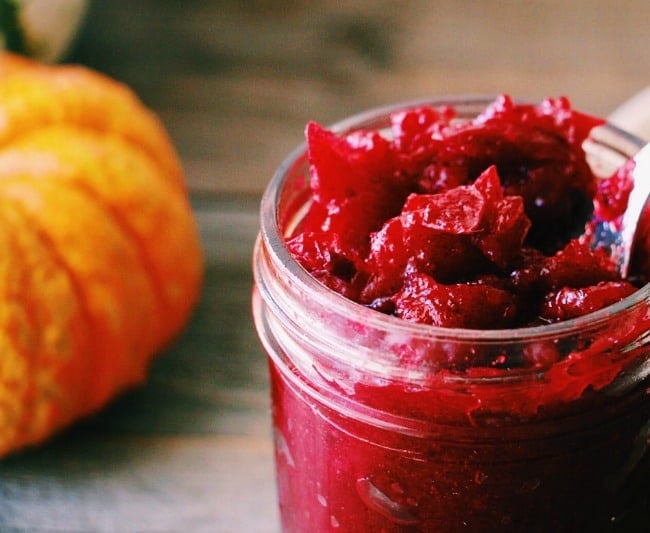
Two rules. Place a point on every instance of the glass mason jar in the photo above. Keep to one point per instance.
(363, 443)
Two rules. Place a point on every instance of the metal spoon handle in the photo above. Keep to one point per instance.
(637, 203)
(633, 115)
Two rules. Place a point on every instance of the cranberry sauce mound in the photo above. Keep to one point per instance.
(464, 226)
(476, 224)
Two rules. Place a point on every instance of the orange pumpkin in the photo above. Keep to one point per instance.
(100, 259)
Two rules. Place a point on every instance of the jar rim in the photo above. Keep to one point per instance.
(320, 294)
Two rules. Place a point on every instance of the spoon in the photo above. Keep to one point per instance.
(622, 238)
(638, 205)
(632, 116)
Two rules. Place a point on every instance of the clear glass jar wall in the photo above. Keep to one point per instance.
(364, 443)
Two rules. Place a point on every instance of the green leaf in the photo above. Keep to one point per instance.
(11, 30)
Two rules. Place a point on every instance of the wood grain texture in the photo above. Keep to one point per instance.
(235, 81)
(93, 482)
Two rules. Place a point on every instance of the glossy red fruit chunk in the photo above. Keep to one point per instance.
(418, 139)
(401, 248)
(571, 303)
(576, 266)
(466, 305)
(354, 183)
(328, 261)
(506, 224)
(459, 211)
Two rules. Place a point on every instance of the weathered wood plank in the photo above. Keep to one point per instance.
(236, 81)
(128, 483)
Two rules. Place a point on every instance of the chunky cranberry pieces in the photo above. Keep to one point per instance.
(462, 223)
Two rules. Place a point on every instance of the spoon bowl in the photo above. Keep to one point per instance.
(622, 237)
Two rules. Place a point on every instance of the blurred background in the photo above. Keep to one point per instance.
(235, 81)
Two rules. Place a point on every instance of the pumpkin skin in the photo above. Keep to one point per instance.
(100, 257)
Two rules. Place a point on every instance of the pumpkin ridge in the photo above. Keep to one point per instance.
(14, 399)
(29, 430)
(13, 407)
(117, 176)
(26, 400)
(147, 264)
(122, 334)
(34, 97)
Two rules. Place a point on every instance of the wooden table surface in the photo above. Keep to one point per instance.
(235, 82)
